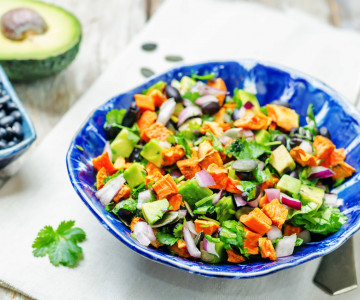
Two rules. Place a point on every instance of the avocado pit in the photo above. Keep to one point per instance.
(19, 23)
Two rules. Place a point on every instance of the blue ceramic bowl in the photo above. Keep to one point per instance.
(10, 154)
(271, 82)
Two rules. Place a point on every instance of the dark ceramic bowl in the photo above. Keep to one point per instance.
(10, 154)
(271, 82)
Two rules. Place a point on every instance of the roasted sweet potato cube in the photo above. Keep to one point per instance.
(323, 147)
(220, 176)
(172, 155)
(213, 127)
(165, 187)
(156, 131)
(124, 193)
(251, 241)
(189, 167)
(234, 257)
(253, 120)
(257, 221)
(342, 170)
(276, 212)
(303, 158)
(180, 248)
(284, 117)
(175, 201)
(267, 249)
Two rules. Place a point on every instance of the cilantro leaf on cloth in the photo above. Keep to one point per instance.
(247, 149)
(166, 238)
(60, 244)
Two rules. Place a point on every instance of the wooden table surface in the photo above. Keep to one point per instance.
(107, 29)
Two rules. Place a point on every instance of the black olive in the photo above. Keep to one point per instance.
(7, 121)
(245, 196)
(294, 130)
(281, 103)
(295, 142)
(235, 114)
(172, 92)
(258, 191)
(324, 132)
(280, 138)
(131, 115)
(243, 175)
(3, 144)
(135, 155)
(210, 108)
(17, 115)
(294, 174)
(111, 132)
(287, 170)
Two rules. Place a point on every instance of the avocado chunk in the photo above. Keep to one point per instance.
(123, 144)
(262, 136)
(281, 159)
(247, 97)
(232, 173)
(312, 194)
(135, 175)
(224, 209)
(219, 249)
(191, 192)
(153, 211)
(289, 184)
(46, 48)
(152, 151)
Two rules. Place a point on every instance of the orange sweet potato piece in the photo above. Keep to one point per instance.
(234, 257)
(213, 127)
(231, 186)
(219, 84)
(335, 157)
(263, 201)
(124, 193)
(220, 176)
(270, 183)
(146, 120)
(219, 119)
(152, 178)
(303, 158)
(290, 230)
(144, 102)
(323, 147)
(342, 170)
(120, 163)
(272, 126)
(257, 221)
(100, 177)
(254, 120)
(134, 221)
(284, 117)
(172, 155)
(276, 212)
(103, 161)
(189, 167)
(267, 249)
(151, 169)
(156, 131)
(251, 241)
(207, 226)
(175, 201)
(208, 155)
(158, 97)
(180, 248)
(165, 187)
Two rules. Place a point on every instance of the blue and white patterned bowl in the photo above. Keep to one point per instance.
(271, 82)
(12, 153)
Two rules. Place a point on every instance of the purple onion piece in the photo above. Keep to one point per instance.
(190, 243)
(239, 200)
(205, 99)
(187, 113)
(217, 197)
(320, 172)
(204, 179)
(209, 90)
(210, 247)
(272, 194)
(290, 202)
(248, 105)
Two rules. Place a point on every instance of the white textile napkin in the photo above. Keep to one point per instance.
(41, 194)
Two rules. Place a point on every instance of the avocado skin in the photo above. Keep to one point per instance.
(33, 69)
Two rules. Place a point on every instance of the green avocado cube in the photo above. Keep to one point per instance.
(124, 143)
(135, 175)
(289, 184)
(281, 159)
(153, 211)
(152, 151)
(312, 194)
(192, 192)
(262, 136)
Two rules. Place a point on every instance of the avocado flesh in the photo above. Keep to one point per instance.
(281, 159)
(153, 211)
(152, 151)
(262, 136)
(122, 145)
(135, 175)
(40, 55)
(289, 184)
(313, 194)
(191, 192)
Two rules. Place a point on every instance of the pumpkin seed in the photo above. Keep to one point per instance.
(168, 218)
(146, 72)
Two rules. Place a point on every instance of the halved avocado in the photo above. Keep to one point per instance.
(39, 54)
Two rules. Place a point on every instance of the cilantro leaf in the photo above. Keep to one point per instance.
(203, 77)
(178, 230)
(298, 241)
(60, 244)
(181, 140)
(310, 119)
(207, 117)
(111, 177)
(262, 175)
(232, 233)
(215, 142)
(166, 238)
(247, 149)
(192, 96)
(249, 187)
(128, 204)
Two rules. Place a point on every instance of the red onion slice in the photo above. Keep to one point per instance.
(248, 105)
(306, 146)
(187, 113)
(166, 111)
(274, 233)
(305, 236)
(190, 243)
(290, 202)
(108, 150)
(205, 99)
(108, 192)
(143, 197)
(204, 179)
(187, 102)
(272, 194)
(210, 247)
(285, 246)
(255, 203)
(182, 213)
(191, 227)
(320, 172)
(239, 200)
(209, 90)
(248, 134)
(217, 197)
(144, 233)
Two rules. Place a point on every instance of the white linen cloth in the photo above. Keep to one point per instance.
(41, 194)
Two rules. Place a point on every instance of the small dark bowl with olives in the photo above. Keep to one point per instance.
(17, 131)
